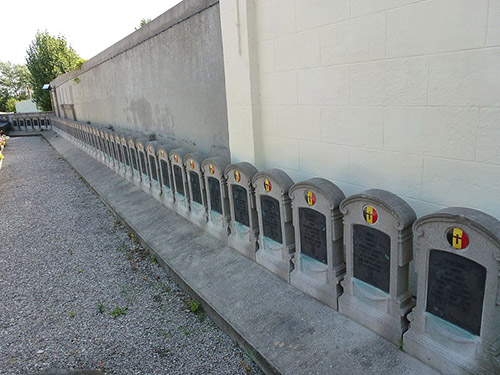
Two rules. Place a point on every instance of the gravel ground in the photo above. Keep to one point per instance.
(77, 291)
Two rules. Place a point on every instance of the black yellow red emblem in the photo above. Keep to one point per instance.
(211, 169)
(370, 214)
(176, 158)
(457, 238)
(267, 185)
(162, 153)
(237, 176)
(310, 198)
(191, 163)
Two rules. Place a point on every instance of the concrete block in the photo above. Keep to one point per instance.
(326, 160)
(266, 53)
(493, 35)
(436, 27)
(268, 121)
(460, 183)
(444, 132)
(354, 40)
(324, 86)
(240, 119)
(390, 82)
(242, 147)
(238, 91)
(397, 172)
(364, 7)
(278, 88)
(298, 51)
(265, 20)
(353, 126)
(315, 13)
(467, 78)
(488, 134)
(284, 151)
(299, 122)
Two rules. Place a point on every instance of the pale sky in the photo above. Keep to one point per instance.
(90, 26)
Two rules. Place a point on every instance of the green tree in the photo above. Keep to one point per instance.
(14, 85)
(49, 57)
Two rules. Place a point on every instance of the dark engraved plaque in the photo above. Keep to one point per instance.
(312, 226)
(125, 155)
(194, 179)
(164, 173)
(117, 152)
(455, 290)
(179, 185)
(134, 158)
(215, 196)
(143, 163)
(271, 218)
(35, 122)
(108, 148)
(152, 168)
(372, 256)
(240, 202)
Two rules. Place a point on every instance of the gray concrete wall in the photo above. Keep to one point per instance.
(167, 77)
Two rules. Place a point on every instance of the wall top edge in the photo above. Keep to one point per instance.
(177, 14)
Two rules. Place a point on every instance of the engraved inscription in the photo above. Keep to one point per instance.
(143, 163)
(179, 185)
(152, 167)
(164, 173)
(312, 226)
(240, 202)
(271, 218)
(455, 290)
(125, 154)
(215, 196)
(194, 180)
(134, 158)
(372, 256)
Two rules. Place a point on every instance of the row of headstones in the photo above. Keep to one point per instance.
(352, 253)
(31, 122)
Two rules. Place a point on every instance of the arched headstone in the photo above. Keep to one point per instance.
(166, 179)
(276, 237)
(181, 203)
(196, 184)
(317, 221)
(455, 326)
(126, 157)
(140, 145)
(134, 160)
(378, 250)
(219, 214)
(244, 225)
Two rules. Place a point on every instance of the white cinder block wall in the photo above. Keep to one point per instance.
(402, 95)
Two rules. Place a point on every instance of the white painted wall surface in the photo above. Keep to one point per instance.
(402, 95)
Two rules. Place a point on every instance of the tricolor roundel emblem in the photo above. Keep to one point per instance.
(176, 158)
(310, 197)
(211, 168)
(237, 176)
(370, 214)
(457, 238)
(267, 185)
(191, 163)
(162, 153)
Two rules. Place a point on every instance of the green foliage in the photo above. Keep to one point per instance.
(47, 58)
(143, 23)
(14, 83)
(118, 311)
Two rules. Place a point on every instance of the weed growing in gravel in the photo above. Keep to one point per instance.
(100, 307)
(196, 308)
(132, 237)
(118, 311)
(153, 259)
(184, 330)
(71, 314)
(193, 305)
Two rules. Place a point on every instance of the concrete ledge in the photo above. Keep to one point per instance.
(285, 331)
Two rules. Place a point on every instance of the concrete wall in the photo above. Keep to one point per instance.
(402, 95)
(167, 77)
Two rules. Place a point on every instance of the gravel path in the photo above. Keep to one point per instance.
(76, 291)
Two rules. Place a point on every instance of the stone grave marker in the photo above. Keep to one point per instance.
(134, 160)
(244, 225)
(219, 214)
(317, 221)
(378, 250)
(196, 184)
(455, 326)
(109, 137)
(127, 163)
(276, 237)
(181, 203)
(140, 145)
(119, 154)
(166, 179)
(154, 170)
